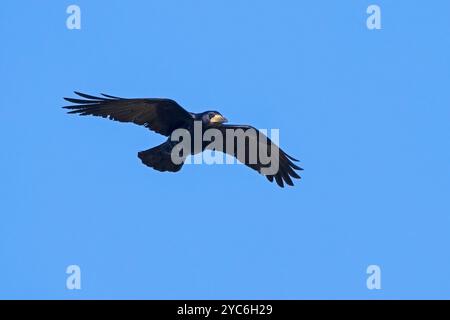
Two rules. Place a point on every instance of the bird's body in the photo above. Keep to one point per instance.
(167, 117)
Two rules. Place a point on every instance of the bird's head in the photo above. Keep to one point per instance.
(212, 118)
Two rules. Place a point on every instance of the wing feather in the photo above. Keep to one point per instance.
(160, 115)
(286, 169)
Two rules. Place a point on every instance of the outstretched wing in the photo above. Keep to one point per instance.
(160, 115)
(261, 143)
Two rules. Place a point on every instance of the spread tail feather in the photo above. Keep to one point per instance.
(159, 158)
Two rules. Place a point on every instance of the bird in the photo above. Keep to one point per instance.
(165, 116)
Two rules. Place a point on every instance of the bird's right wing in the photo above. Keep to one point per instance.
(160, 115)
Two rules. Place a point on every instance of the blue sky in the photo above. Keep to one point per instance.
(366, 111)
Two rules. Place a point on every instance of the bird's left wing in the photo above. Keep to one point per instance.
(160, 115)
(286, 166)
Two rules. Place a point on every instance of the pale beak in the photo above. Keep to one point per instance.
(218, 119)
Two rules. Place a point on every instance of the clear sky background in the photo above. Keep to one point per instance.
(367, 112)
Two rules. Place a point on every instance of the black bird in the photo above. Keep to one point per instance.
(164, 116)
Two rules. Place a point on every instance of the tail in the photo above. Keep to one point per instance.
(159, 158)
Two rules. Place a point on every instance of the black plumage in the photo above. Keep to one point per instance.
(164, 116)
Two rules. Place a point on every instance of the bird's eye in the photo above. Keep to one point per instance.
(211, 115)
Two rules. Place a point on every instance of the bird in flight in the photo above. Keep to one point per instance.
(165, 116)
